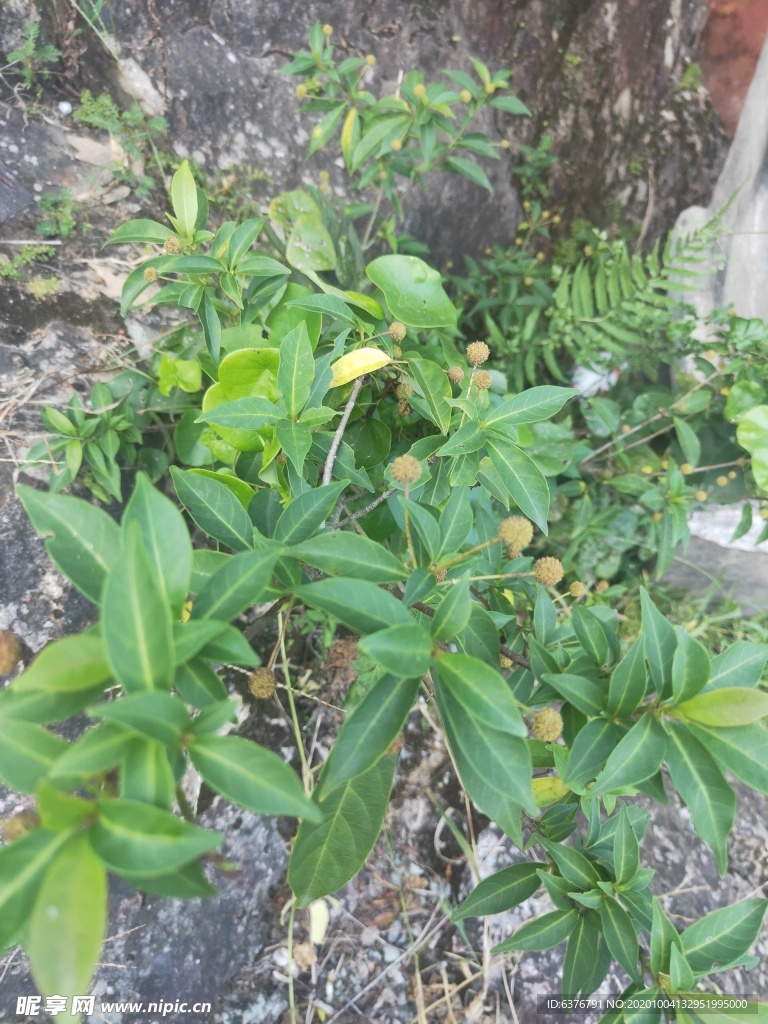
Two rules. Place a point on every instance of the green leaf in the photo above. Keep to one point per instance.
(144, 840)
(231, 647)
(214, 508)
(413, 291)
(523, 480)
(433, 390)
(369, 731)
(358, 604)
(136, 619)
(660, 644)
(663, 937)
(307, 513)
(404, 650)
(349, 554)
(726, 708)
(591, 635)
(297, 369)
(327, 854)
(590, 750)
(702, 786)
(482, 692)
(469, 170)
(626, 850)
(81, 539)
(467, 439)
(530, 406)
(250, 776)
(629, 681)
(22, 866)
(198, 684)
(743, 751)
(741, 664)
(572, 865)
(68, 665)
(27, 752)
(585, 695)
(544, 932)
(690, 669)
(452, 614)
(187, 883)
(688, 440)
(98, 750)
(752, 431)
(580, 955)
(501, 891)
(149, 232)
(251, 413)
(68, 922)
(166, 539)
(184, 198)
(510, 105)
(620, 936)
(160, 716)
(310, 245)
(455, 522)
(146, 773)
(243, 238)
(211, 326)
(189, 638)
(237, 585)
(722, 936)
(296, 440)
(332, 305)
(681, 977)
(636, 757)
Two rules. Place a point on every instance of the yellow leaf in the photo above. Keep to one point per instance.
(548, 790)
(348, 137)
(355, 364)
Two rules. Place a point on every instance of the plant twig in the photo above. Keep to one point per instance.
(513, 656)
(368, 508)
(337, 437)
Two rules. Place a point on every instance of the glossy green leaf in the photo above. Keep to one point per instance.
(573, 865)
(591, 748)
(660, 644)
(404, 650)
(166, 539)
(23, 864)
(144, 840)
(250, 776)
(482, 692)
(98, 750)
(184, 198)
(702, 786)
(296, 441)
(146, 773)
(523, 479)
(585, 695)
(591, 635)
(690, 667)
(452, 613)
(629, 681)
(297, 369)
(251, 413)
(413, 291)
(530, 406)
(160, 716)
(149, 232)
(237, 585)
(663, 937)
(620, 935)
(215, 509)
(726, 708)
(307, 513)
(723, 936)
(68, 665)
(741, 664)
(198, 684)
(636, 757)
(433, 388)
(580, 955)
(369, 731)
(626, 850)
(27, 752)
(543, 932)
(501, 891)
(137, 624)
(681, 977)
(349, 554)
(327, 854)
(81, 539)
(743, 751)
(358, 604)
(455, 522)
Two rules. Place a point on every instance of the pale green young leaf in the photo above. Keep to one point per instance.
(214, 508)
(296, 370)
(98, 750)
(27, 753)
(184, 198)
(726, 708)
(65, 666)
(22, 866)
(157, 715)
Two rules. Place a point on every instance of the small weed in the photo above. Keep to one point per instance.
(42, 286)
(59, 210)
(32, 60)
(10, 269)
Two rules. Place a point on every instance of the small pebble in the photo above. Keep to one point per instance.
(65, 108)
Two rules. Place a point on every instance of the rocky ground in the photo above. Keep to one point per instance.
(388, 953)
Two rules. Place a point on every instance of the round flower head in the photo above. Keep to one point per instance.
(516, 532)
(700, 495)
(397, 352)
(548, 571)
(506, 662)
(397, 145)
(477, 353)
(404, 408)
(547, 725)
(370, 60)
(576, 589)
(440, 574)
(404, 389)
(455, 374)
(327, 30)
(482, 380)
(686, 468)
(722, 481)
(172, 245)
(301, 91)
(420, 90)
(396, 331)
(601, 586)
(10, 652)
(406, 469)
(150, 274)
(465, 96)
(262, 683)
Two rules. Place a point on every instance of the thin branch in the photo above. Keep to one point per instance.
(337, 437)
(368, 508)
(513, 656)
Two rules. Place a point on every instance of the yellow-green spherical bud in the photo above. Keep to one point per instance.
(420, 90)
(397, 352)
(547, 725)
(656, 517)
(397, 331)
(548, 571)
(465, 96)
(482, 380)
(10, 652)
(722, 481)
(301, 91)
(150, 274)
(576, 589)
(477, 353)
(490, 88)
(528, 281)
(397, 145)
(172, 245)
(327, 30)
(516, 533)
(647, 470)
(455, 374)
(556, 219)
(601, 586)
(406, 469)
(700, 495)
(732, 475)
(686, 468)
(504, 144)
(317, 131)
(370, 60)
(506, 662)
(262, 683)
